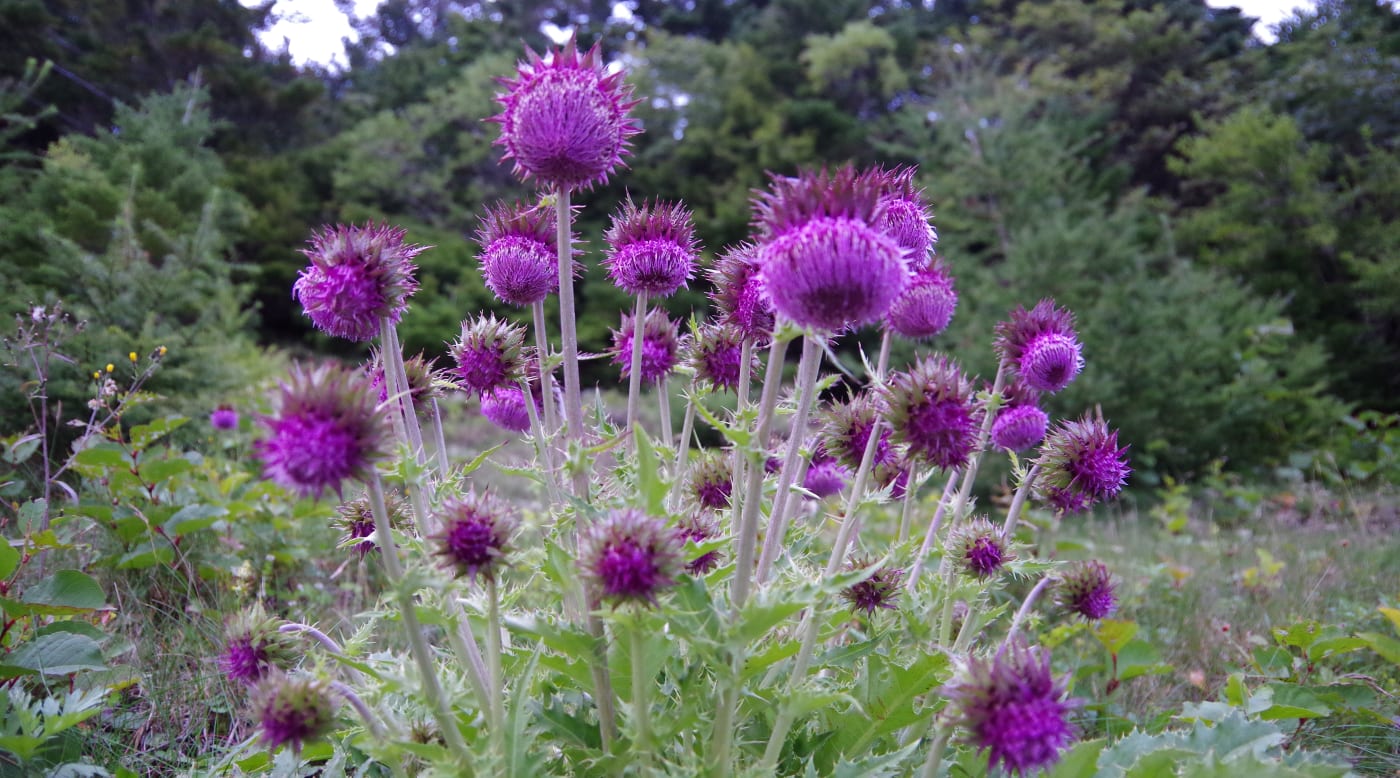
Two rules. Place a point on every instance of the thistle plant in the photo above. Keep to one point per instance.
(729, 584)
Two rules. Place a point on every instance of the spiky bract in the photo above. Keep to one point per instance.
(1086, 590)
(926, 305)
(907, 216)
(1040, 346)
(629, 557)
(357, 276)
(1081, 464)
(488, 354)
(933, 412)
(476, 534)
(880, 591)
(978, 548)
(739, 293)
(716, 355)
(254, 647)
(660, 346)
(293, 711)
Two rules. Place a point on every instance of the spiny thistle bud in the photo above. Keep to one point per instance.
(907, 217)
(711, 481)
(1012, 707)
(880, 590)
(716, 354)
(926, 305)
(356, 519)
(739, 294)
(826, 264)
(825, 476)
(651, 248)
(1041, 346)
(977, 547)
(254, 647)
(224, 418)
(422, 377)
(628, 556)
(489, 353)
(660, 346)
(565, 119)
(293, 711)
(505, 407)
(846, 431)
(698, 529)
(517, 253)
(476, 534)
(932, 411)
(1085, 589)
(1081, 464)
(357, 276)
(327, 429)
(892, 472)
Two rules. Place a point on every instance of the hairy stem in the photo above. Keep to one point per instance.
(568, 333)
(807, 369)
(634, 381)
(747, 534)
(918, 567)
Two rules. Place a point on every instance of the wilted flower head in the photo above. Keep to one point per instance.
(977, 547)
(357, 276)
(1081, 464)
(926, 305)
(564, 119)
(825, 475)
(1041, 346)
(224, 418)
(716, 353)
(933, 412)
(739, 293)
(327, 428)
(422, 374)
(254, 647)
(698, 529)
(489, 353)
(517, 253)
(845, 431)
(356, 519)
(628, 556)
(660, 346)
(505, 407)
(1085, 589)
(880, 590)
(907, 215)
(826, 264)
(293, 711)
(476, 534)
(1013, 708)
(651, 248)
(711, 481)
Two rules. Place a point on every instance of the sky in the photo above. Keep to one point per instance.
(313, 30)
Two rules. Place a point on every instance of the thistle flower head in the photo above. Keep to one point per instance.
(1019, 427)
(293, 711)
(846, 430)
(716, 354)
(356, 519)
(517, 253)
(505, 407)
(826, 264)
(879, 591)
(739, 293)
(933, 412)
(907, 216)
(712, 481)
(357, 276)
(892, 471)
(926, 305)
(476, 535)
(422, 377)
(660, 346)
(327, 429)
(224, 418)
(977, 547)
(699, 528)
(1012, 707)
(651, 248)
(489, 353)
(1081, 464)
(1085, 589)
(1041, 346)
(825, 475)
(254, 647)
(564, 119)
(628, 556)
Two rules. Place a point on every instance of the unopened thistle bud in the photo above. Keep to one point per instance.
(422, 375)
(907, 216)
(711, 481)
(254, 647)
(517, 253)
(977, 548)
(698, 529)
(715, 354)
(739, 295)
(356, 519)
(489, 353)
(926, 305)
(1020, 424)
(660, 346)
(1080, 465)
(293, 711)
(505, 407)
(846, 430)
(224, 418)
(880, 591)
(1086, 590)
(825, 475)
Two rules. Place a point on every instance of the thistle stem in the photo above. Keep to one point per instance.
(918, 567)
(493, 669)
(551, 416)
(777, 523)
(910, 492)
(736, 496)
(1025, 608)
(568, 332)
(747, 534)
(663, 395)
(444, 466)
(935, 752)
(313, 633)
(683, 451)
(372, 723)
(393, 355)
(540, 442)
(1008, 528)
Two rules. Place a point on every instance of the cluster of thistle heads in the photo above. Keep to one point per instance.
(832, 251)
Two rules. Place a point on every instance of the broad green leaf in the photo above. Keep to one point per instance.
(1393, 614)
(9, 559)
(57, 653)
(64, 592)
(1113, 634)
(1387, 647)
(193, 518)
(147, 555)
(101, 456)
(21, 449)
(649, 474)
(163, 469)
(143, 435)
(1080, 760)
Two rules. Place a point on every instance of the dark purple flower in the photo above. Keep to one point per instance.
(489, 353)
(327, 429)
(357, 276)
(698, 529)
(651, 248)
(933, 412)
(739, 293)
(926, 305)
(846, 430)
(254, 647)
(504, 407)
(293, 711)
(1085, 589)
(907, 216)
(1013, 707)
(1081, 464)
(880, 591)
(476, 534)
(825, 476)
(660, 346)
(1041, 346)
(826, 265)
(565, 119)
(978, 548)
(716, 354)
(518, 260)
(711, 481)
(224, 418)
(627, 556)
(1019, 427)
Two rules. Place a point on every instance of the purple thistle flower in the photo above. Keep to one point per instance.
(711, 482)
(926, 306)
(846, 431)
(1081, 464)
(892, 472)
(1085, 589)
(652, 248)
(224, 418)
(933, 412)
(293, 711)
(1013, 708)
(715, 354)
(978, 548)
(254, 647)
(907, 217)
(1041, 346)
(564, 119)
(880, 591)
(826, 265)
(628, 556)
(476, 535)
(660, 346)
(489, 353)
(739, 293)
(825, 476)
(517, 253)
(328, 428)
(504, 407)
(1019, 427)
(357, 276)
(698, 529)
